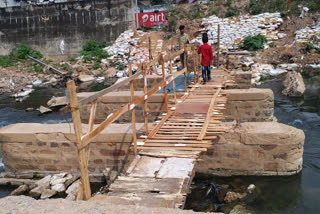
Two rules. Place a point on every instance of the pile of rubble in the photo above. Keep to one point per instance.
(52, 185)
(126, 49)
(308, 33)
(233, 30)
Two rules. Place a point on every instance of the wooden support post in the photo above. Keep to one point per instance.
(134, 130)
(145, 90)
(185, 66)
(84, 186)
(173, 83)
(150, 51)
(164, 88)
(218, 52)
(194, 66)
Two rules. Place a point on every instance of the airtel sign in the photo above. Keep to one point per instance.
(151, 19)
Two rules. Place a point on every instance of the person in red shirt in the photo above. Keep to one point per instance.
(207, 57)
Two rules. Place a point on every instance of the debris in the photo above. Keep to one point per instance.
(57, 101)
(23, 93)
(234, 30)
(44, 110)
(100, 79)
(37, 83)
(251, 188)
(86, 78)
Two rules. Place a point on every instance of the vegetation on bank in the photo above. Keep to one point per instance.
(253, 43)
(20, 54)
(92, 51)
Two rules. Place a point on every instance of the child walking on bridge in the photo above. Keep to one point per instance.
(207, 56)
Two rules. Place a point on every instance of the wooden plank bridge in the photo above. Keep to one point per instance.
(162, 171)
(164, 165)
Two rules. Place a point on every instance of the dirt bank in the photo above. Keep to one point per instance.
(26, 205)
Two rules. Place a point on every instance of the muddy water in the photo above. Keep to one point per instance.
(278, 195)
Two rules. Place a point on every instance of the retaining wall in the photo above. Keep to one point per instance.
(61, 29)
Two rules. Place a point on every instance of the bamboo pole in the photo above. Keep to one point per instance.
(218, 52)
(145, 90)
(84, 186)
(164, 88)
(134, 130)
(150, 52)
(185, 66)
(194, 65)
(173, 83)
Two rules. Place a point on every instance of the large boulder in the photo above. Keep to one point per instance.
(44, 182)
(72, 191)
(293, 85)
(57, 101)
(47, 193)
(111, 72)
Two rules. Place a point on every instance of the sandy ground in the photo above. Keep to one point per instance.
(27, 205)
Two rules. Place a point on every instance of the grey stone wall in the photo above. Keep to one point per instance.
(61, 29)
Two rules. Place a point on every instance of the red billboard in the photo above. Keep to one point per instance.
(151, 19)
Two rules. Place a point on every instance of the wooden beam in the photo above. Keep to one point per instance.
(156, 129)
(92, 115)
(173, 84)
(207, 121)
(105, 91)
(134, 129)
(84, 186)
(185, 66)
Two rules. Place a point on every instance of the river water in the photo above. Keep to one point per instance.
(279, 195)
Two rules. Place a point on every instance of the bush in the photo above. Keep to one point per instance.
(93, 50)
(24, 50)
(172, 23)
(6, 61)
(97, 65)
(230, 13)
(253, 43)
(314, 6)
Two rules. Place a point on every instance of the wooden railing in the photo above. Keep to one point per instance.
(84, 140)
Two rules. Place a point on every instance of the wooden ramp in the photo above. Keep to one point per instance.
(161, 173)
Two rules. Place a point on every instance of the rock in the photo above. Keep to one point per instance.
(111, 72)
(58, 179)
(3, 85)
(233, 196)
(293, 85)
(53, 81)
(85, 78)
(36, 192)
(44, 182)
(96, 72)
(59, 187)
(281, 35)
(37, 83)
(44, 110)
(239, 209)
(251, 188)
(72, 191)
(47, 193)
(57, 101)
(20, 190)
(70, 179)
(29, 109)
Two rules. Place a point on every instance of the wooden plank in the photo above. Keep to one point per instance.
(133, 117)
(192, 107)
(147, 185)
(207, 121)
(84, 188)
(176, 168)
(154, 131)
(171, 153)
(176, 148)
(147, 167)
(173, 84)
(196, 145)
(175, 141)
